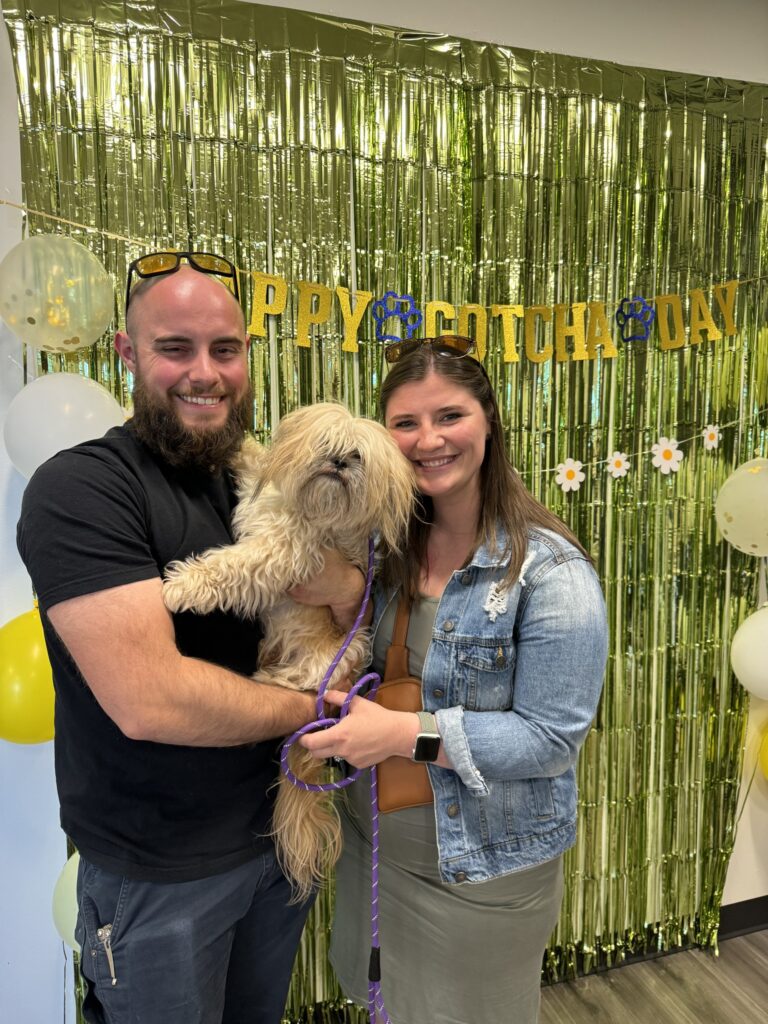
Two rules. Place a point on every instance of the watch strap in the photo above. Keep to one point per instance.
(427, 723)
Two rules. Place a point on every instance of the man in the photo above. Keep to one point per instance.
(165, 748)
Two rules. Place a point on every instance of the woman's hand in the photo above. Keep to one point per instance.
(340, 586)
(367, 734)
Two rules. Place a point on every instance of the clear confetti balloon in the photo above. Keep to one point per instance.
(55, 294)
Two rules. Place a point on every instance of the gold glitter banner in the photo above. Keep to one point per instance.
(477, 177)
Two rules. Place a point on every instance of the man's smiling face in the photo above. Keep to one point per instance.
(187, 348)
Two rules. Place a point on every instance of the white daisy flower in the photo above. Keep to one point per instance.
(618, 464)
(569, 475)
(711, 436)
(666, 455)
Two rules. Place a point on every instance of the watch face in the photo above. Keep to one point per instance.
(427, 748)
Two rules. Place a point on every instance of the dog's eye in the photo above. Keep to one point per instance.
(345, 461)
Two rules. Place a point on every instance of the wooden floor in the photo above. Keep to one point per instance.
(683, 988)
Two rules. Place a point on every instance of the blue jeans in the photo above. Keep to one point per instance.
(214, 951)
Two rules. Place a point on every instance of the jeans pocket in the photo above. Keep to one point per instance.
(102, 900)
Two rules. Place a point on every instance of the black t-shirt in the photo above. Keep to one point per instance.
(100, 515)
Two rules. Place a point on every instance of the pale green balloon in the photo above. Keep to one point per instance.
(749, 653)
(65, 902)
(741, 509)
(55, 294)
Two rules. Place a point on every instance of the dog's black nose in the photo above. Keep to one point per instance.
(339, 463)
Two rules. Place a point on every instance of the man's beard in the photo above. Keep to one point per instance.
(158, 426)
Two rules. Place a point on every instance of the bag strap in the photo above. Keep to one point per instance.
(396, 666)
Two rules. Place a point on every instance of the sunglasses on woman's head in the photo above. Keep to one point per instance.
(155, 264)
(451, 346)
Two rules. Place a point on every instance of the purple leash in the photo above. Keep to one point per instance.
(375, 998)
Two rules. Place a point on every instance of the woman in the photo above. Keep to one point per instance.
(507, 632)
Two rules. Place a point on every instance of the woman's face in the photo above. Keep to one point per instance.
(442, 429)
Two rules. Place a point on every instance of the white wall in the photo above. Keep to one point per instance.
(704, 37)
(694, 36)
(35, 971)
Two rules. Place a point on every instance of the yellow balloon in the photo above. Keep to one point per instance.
(65, 902)
(26, 682)
(55, 294)
(764, 754)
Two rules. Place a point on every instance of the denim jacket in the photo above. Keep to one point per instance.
(514, 678)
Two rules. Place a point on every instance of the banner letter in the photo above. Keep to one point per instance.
(726, 300)
(531, 351)
(311, 311)
(599, 332)
(575, 330)
(431, 313)
(481, 326)
(701, 318)
(261, 305)
(352, 318)
(507, 316)
(663, 304)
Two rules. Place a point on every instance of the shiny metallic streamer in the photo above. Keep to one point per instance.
(372, 158)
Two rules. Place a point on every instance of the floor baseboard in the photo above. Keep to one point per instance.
(741, 918)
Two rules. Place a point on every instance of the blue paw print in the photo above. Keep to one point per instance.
(404, 308)
(635, 318)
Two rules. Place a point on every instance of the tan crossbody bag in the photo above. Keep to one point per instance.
(401, 782)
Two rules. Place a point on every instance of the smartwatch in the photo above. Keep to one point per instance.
(427, 746)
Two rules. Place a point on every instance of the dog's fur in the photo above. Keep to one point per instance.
(327, 481)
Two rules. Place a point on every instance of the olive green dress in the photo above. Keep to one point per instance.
(450, 954)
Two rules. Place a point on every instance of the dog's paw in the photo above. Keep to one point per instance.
(188, 588)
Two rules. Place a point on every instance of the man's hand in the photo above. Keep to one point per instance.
(340, 586)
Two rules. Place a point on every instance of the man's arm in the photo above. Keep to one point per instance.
(122, 641)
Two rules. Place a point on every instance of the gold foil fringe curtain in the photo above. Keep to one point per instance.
(328, 151)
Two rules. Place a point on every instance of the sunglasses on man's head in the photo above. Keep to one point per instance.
(154, 264)
(452, 346)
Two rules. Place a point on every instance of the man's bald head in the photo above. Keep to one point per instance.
(186, 280)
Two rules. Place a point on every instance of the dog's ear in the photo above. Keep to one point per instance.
(248, 465)
(400, 496)
(391, 485)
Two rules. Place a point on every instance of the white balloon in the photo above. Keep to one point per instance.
(55, 412)
(65, 902)
(741, 508)
(749, 653)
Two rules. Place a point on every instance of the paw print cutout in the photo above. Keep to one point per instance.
(635, 318)
(401, 306)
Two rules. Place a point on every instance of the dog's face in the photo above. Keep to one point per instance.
(337, 469)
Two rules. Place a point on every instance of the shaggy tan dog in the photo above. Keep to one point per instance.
(327, 481)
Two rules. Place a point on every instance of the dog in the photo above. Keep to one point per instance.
(328, 480)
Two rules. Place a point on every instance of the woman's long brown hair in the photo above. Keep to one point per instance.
(504, 499)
